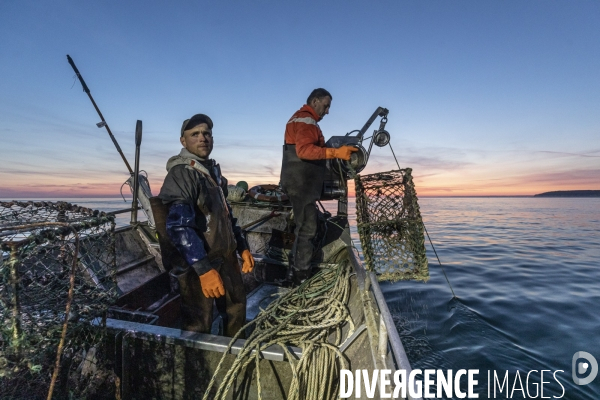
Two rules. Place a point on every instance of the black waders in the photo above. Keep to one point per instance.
(302, 181)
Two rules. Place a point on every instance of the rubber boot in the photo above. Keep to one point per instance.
(296, 277)
(300, 276)
(193, 316)
(289, 274)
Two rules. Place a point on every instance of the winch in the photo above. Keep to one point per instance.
(335, 186)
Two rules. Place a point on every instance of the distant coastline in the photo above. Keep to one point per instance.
(570, 193)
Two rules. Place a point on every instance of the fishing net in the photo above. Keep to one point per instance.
(55, 257)
(390, 226)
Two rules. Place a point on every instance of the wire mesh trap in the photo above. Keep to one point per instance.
(56, 278)
(390, 226)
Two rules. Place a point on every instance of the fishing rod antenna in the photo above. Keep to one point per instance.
(140, 187)
(103, 122)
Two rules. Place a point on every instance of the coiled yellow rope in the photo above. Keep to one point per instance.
(304, 317)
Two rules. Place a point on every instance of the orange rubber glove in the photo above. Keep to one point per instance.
(212, 285)
(343, 152)
(248, 264)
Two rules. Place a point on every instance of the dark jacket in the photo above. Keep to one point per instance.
(186, 191)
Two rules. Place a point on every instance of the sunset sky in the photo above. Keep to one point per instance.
(485, 97)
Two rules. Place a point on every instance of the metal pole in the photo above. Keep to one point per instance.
(16, 306)
(383, 339)
(103, 123)
(381, 112)
(394, 337)
(343, 205)
(138, 143)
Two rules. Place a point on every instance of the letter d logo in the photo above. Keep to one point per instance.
(583, 367)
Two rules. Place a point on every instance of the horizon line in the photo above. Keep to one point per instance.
(129, 198)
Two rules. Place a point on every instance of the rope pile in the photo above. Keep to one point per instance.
(310, 316)
(56, 277)
(390, 226)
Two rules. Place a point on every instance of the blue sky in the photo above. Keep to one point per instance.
(485, 97)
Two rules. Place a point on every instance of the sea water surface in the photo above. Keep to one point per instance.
(526, 274)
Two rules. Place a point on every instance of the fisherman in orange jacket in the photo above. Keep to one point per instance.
(302, 173)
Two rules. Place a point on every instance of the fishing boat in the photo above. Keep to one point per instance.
(148, 310)
(297, 338)
(145, 318)
(151, 357)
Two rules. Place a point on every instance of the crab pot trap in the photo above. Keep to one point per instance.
(390, 226)
(56, 277)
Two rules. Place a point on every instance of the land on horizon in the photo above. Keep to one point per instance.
(570, 193)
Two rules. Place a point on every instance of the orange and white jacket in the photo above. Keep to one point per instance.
(303, 131)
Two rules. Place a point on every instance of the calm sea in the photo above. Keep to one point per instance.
(526, 273)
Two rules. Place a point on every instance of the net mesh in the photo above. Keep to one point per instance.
(44, 246)
(390, 226)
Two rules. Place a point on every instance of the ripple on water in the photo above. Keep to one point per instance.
(526, 274)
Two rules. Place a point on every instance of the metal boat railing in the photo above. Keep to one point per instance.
(387, 334)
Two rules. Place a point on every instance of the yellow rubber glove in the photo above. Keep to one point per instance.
(212, 285)
(343, 152)
(248, 264)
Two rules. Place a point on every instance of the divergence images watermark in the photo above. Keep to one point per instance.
(583, 367)
(435, 384)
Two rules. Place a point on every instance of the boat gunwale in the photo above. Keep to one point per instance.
(195, 340)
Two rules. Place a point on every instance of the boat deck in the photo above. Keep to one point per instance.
(156, 359)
